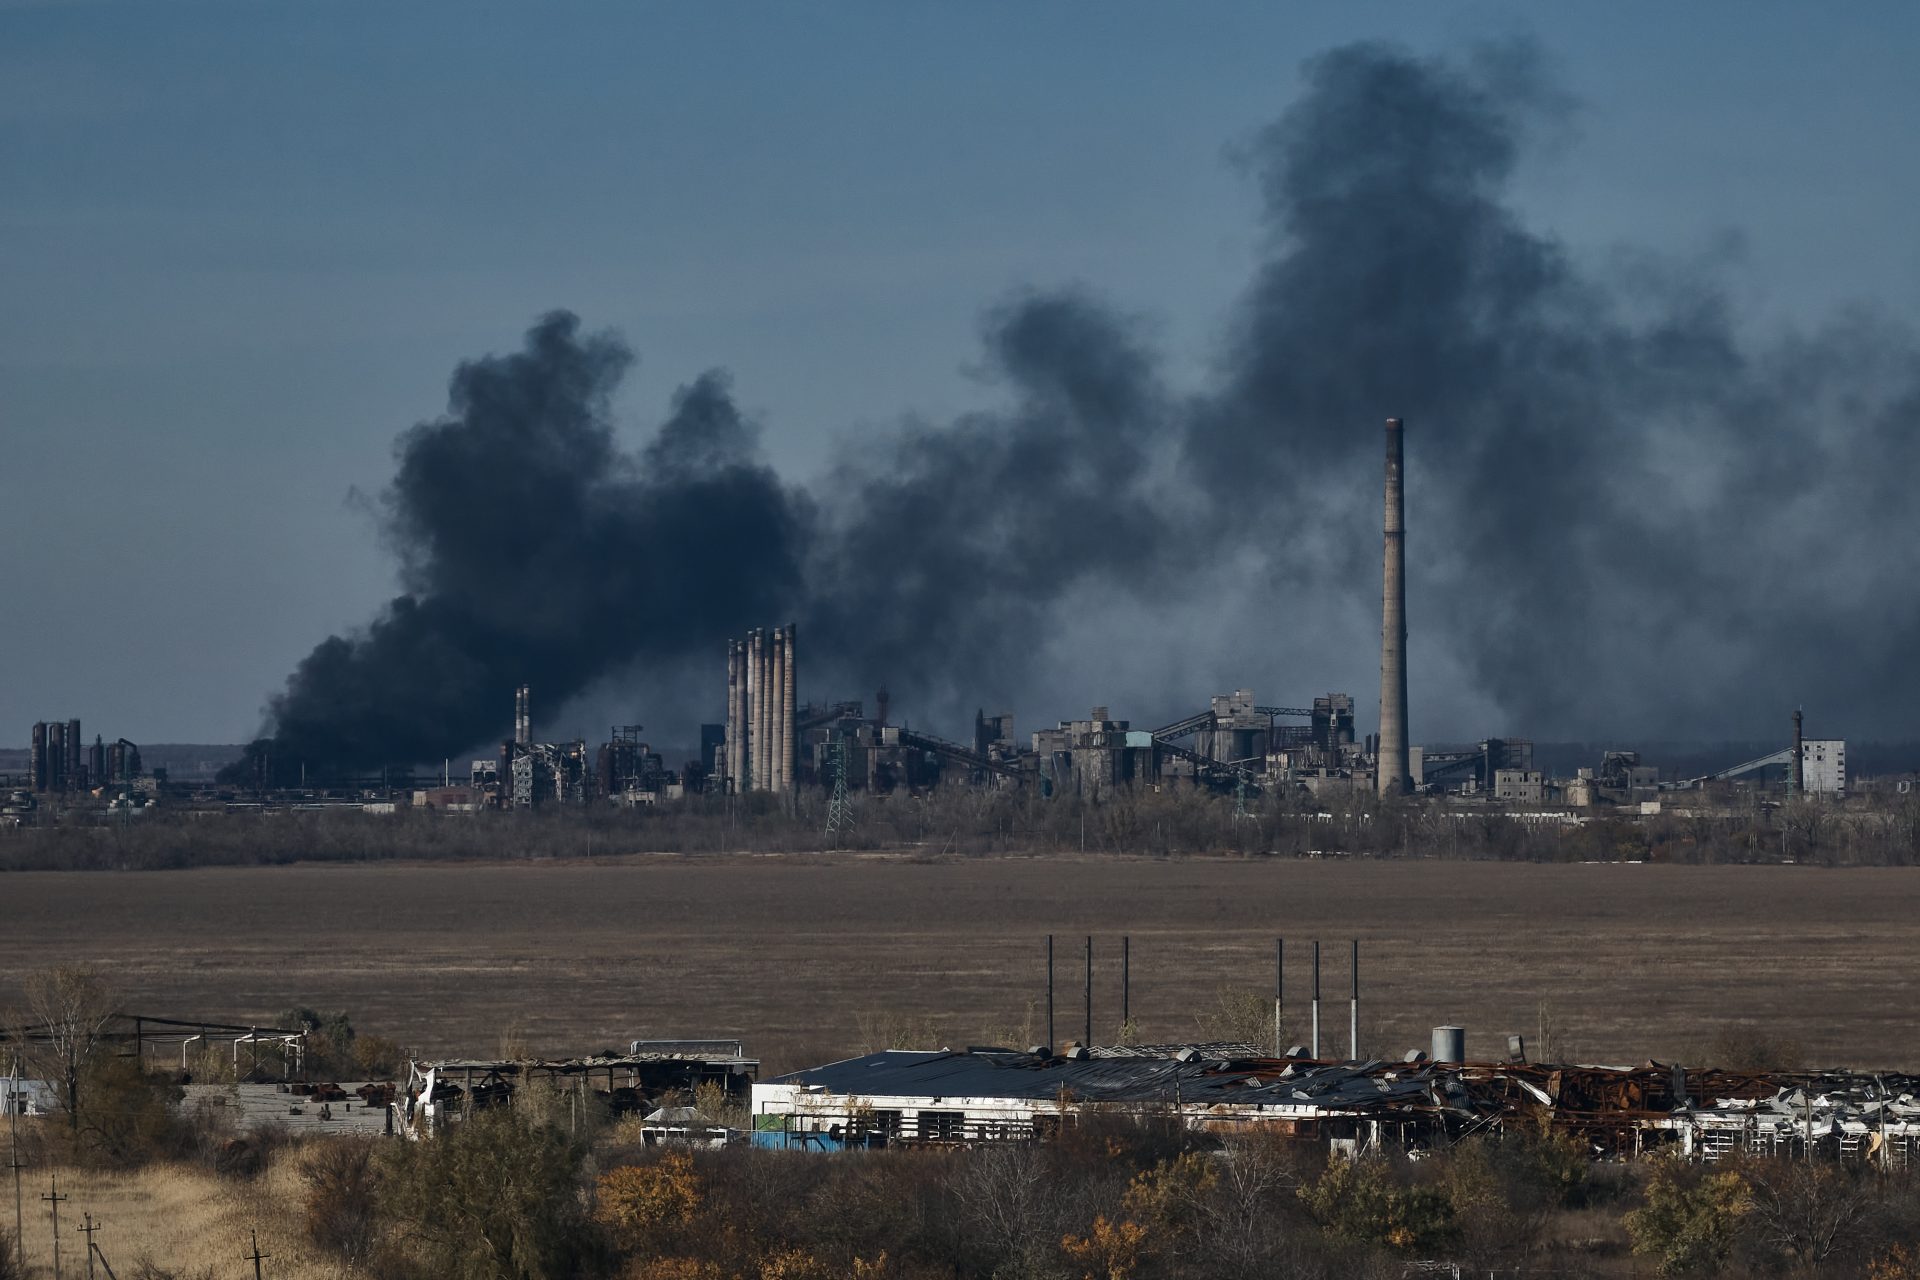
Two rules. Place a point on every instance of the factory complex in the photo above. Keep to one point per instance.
(770, 741)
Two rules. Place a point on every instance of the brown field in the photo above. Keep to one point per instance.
(179, 1216)
(809, 956)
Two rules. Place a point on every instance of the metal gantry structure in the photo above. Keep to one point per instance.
(840, 806)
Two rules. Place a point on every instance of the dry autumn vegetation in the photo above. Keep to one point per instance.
(546, 1190)
(1867, 830)
(524, 1194)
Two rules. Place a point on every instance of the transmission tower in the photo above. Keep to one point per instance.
(840, 807)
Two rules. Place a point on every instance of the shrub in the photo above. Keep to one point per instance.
(493, 1197)
(1360, 1201)
(342, 1197)
(1691, 1219)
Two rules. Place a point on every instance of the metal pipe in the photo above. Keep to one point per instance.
(1279, 990)
(1353, 1008)
(1391, 766)
(1052, 1044)
(789, 715)
(1316, 1000)
(776, 706)
(763, 761)
(744, 780)
(1088, 1040)
(1797, 771)
(1126, 982)
(732, 716)
(756, 697)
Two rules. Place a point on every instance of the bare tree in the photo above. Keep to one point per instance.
(66, 1014)
(1807, 1213)
(1011, 1200)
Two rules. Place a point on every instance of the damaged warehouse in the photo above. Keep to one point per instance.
(984, 1095)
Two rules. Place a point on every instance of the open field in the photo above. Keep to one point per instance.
(806, 957)
(181, 1217)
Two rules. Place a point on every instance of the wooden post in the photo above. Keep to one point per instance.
(88, 1230)
(53, 1198)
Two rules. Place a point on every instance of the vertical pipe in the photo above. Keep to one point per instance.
(1353, 1007)
(1126, 981)
(1391, 765)
(732, 716)
(776, 704)
(753, 774)
(743, 763)
(1051, 1042)
(1316, 999)
(790, 714)
(763, 750)
(1088, 1039)
(1796, 772)
(1279, 990)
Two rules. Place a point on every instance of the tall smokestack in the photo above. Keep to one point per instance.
(757, 712)
(1393, 773)
(749, 709)
(777, 709)
(56, 756)
(1797, 767)
(523, 714)
(732, 743)
(790, 715)
(37, 758)
(74, 778)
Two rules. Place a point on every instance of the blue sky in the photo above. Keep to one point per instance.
(242, 245)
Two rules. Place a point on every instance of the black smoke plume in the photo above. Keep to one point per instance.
(1627, 515)
(532, 549)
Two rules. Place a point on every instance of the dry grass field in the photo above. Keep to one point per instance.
(807, 957)
(181, 1217)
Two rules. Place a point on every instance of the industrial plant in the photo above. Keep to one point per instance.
(768, 741)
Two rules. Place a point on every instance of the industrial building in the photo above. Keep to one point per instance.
(58, 761)
(769, 741)
(983, 1095)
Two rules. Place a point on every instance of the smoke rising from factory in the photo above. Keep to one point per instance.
(1626, 513)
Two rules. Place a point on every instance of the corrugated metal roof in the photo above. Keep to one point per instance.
(906, 1073)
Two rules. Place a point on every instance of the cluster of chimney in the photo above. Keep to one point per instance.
(60, 761)
(761, 711)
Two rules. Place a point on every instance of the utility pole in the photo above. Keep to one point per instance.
(256, 1255)
(1051, 1042)
(1279, 987)
(1088, 1041)
(87, 1230)
(53, 1198)
(1316, 1000)
(13, 1159)
(1353, 1008)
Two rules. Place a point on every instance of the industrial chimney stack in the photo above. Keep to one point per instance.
(523, 715)
(1393, 773)
(762, 711)
(1796, 767)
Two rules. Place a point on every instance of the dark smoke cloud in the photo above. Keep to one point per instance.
(1628, 515)
(532, 549)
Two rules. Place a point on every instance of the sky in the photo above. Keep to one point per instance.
(242, 246)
